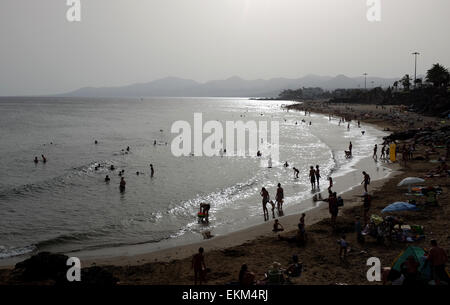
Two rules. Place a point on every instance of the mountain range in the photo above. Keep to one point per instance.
(230, 87)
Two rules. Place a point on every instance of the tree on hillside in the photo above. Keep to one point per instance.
(438, 75)
(406, 83)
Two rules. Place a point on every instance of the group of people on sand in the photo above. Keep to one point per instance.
(279, 199)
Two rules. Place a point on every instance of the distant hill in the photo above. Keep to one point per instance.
(230, 87)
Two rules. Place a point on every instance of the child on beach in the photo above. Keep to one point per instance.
(343, 248)
(277, 227)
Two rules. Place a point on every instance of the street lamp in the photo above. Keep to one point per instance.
(365, 81)
(415, 67)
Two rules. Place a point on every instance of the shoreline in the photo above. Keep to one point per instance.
(104, 256)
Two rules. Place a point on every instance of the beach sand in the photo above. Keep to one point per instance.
(259, 247)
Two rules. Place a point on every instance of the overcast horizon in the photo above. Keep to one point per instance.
(136, 41)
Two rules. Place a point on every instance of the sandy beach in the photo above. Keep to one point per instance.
(259, 247)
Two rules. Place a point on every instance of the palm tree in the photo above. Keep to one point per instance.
(438, 75)
(406, 82)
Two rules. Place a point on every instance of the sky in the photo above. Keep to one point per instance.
(120, 42)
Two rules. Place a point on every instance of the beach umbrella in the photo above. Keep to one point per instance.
(399, 206)
(410, 181)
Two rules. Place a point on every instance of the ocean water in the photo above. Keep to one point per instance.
(65, 206)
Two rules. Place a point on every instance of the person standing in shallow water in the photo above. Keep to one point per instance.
(296, 172)
(265, 199)
(312, 177)
(122, 185)
(317, 173)
(366, 180)
(350, 146)
(36, 160)
(279, 197)
(152, 171)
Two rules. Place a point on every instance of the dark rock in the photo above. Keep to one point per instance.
(43, 266)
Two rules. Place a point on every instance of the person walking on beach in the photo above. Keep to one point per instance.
(199, 266)
(317, 173)
(296, 172)
(122, 185)
(152, 171)
(383, 150)
(366, 181)
(265, 199)
(312, 177)
(438, 258)
(350, 146)
(332, 207)
(375, 152)
(331, 183)
(348, 126)
(367, 201)
(279, 197)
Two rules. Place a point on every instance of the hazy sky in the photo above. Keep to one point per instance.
(119, 42)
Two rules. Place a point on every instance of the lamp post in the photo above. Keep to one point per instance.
(365, 81)
(415, 67)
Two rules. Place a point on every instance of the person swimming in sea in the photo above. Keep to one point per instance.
(44, 159)
(36, 160)
(112, 167)
(107, 179)
(128, 148)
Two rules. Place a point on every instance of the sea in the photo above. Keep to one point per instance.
(65, 206)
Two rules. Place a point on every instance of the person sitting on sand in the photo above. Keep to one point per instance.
(296, 268)
(275, 274)
(199, 266)
(107, 179)
(277, 226)
(246, 277)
